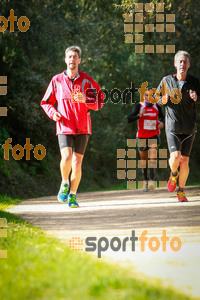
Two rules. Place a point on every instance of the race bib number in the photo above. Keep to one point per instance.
(150, 124)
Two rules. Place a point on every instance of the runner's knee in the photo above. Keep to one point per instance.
(77, 161)
(184, 160)
(66, 159)
(66, 156)
(175, 156)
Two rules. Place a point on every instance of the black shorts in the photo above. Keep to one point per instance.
(180, 142)
(77, 141)
(145, 144)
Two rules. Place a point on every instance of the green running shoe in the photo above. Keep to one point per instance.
(72, 201)
(63, 193)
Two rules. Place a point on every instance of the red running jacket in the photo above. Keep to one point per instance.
(75, 115)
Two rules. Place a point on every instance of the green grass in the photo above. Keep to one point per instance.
(6, 201)
(40, 267)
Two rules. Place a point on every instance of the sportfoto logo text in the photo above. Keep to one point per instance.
(115, 95)
(23, 22)
(116, 244)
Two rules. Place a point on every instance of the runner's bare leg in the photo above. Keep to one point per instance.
(65, 163)
(153, 153)
(184, 171)
(174, 160)
(143, 158)
(76, 171)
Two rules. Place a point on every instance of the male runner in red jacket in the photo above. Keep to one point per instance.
(75, 93)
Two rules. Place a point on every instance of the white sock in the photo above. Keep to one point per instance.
(72, 193)
(65, 181)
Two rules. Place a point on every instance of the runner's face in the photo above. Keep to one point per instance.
(146, 96)
(182, 64)
(72, 60)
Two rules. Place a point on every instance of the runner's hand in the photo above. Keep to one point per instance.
(165, 99)
(142, 112)
(160, 125)
(193, 95)
(57, 116)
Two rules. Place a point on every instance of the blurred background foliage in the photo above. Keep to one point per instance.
(31, 59)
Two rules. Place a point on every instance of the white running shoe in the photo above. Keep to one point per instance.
(152, 184)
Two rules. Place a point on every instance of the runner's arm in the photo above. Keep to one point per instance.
(159, 88)
(161, 116)
(48, 101)
(94, 96)
(134, 114)
(198, 92)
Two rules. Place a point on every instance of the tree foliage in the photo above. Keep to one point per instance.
(30, 59)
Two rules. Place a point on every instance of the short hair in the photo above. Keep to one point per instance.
(77, 49)
(149, 88)
(184, 53)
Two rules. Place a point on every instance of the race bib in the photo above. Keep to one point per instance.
(150, 124)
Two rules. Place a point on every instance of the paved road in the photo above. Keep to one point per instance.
(117, 214)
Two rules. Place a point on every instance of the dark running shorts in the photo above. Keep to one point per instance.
(77, 141)
(145, 144)
(180, 142)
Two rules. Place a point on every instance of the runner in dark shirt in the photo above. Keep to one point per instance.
(180, 119)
